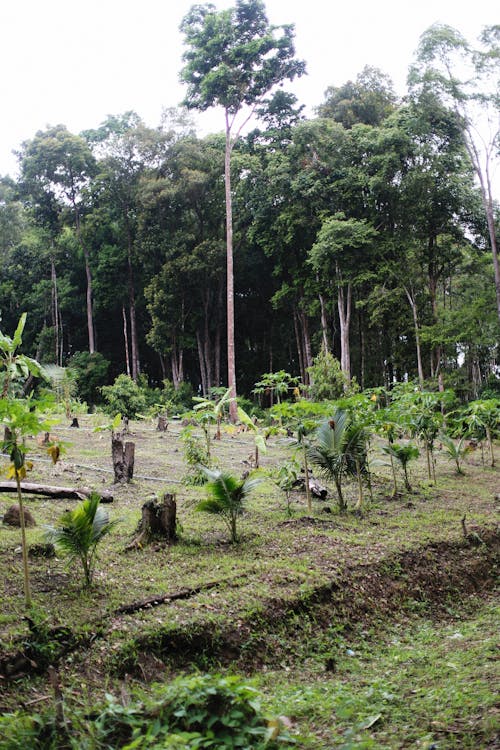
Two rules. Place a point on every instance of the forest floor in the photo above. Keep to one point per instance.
(368, 630)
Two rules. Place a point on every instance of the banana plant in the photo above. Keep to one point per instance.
(213, 409)
(20, 417)
(13, 365)
(259, 440)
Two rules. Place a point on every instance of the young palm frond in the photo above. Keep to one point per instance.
(339, 449)
(403, 454)
(227, 496)
(79, 531)
(455, 451)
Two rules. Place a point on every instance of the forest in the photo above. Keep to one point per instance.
(367, 231)
(249, 395)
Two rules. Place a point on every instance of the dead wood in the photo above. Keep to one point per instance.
(123, 458)
(158, 521)
(58, 493)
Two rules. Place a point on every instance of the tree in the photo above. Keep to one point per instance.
(368, 100)
(56, 166)
(234, 59)
(466, 79)
(335, 253)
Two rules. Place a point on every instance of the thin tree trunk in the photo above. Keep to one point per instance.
(324, 324)
(487, 200)
(136, 366)
(201, 361)
(231, 365)
(24, 547)
(88, 275)
(125, 337)
(344, 307)
(55, 307)
(308, 359)
(413, 305)
(298, 341)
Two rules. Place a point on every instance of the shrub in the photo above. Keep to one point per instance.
(124, 397)
(91, 372)
(328, 380)
(193, 712)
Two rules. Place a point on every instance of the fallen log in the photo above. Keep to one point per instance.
(58, 493)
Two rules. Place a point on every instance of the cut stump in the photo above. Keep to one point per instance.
(158, 522)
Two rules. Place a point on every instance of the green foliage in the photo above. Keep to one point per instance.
(328, 380)
(286, 478)
(339, 449)
(124, 397)
(226, 497)
(403, 454)
(91, 374)
(63, 381)
(454, 451)
(195, 456)
(13, 365)
(79, 531)
(307, 412)
(193, 712)
(277, 384)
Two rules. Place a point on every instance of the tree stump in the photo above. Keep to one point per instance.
(162, 424)
(123, 455)
(158, 521)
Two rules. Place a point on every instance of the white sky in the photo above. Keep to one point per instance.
(74, 62)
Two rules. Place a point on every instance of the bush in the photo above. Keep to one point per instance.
(124, 397)
(91, 373)
(194, 712)
(328, 380)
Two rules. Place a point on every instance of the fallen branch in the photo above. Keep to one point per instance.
(58, 493)
(154, 601)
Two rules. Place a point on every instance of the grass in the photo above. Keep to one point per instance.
(286, 594)
(419, 684)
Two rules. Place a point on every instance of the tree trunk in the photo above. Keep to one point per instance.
(202, 364)
(307, 349)
(413, 305)
(136, 366)
(158, 521)
(123, 458)
(344, 308)
(162, 423)
(231, 365)
(324, 324)
(55, 307)
(125, 336)
(88, 275)
(298, 341)
(487, 200)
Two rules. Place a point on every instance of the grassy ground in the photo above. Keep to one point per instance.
(398, 585)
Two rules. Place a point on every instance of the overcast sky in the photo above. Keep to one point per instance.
(70, 62)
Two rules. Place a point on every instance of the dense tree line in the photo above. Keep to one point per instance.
(361, 231)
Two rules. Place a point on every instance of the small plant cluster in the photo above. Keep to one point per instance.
(194, 712)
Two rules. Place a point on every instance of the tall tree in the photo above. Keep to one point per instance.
(234, 58)
(56, 166)
(367, 100)
(466, 79)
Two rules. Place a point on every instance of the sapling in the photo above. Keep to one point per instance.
(226, 497)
